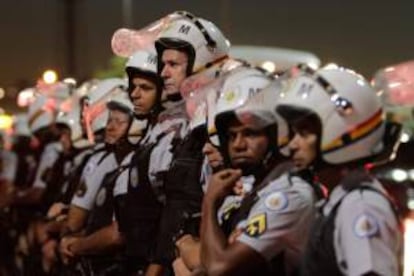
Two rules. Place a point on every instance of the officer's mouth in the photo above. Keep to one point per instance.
(241, 159)
(169, 86)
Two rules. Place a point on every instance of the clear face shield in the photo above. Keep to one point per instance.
(260, 111)
(395, 85)
(127, 41)
(201, 91)
(200, 98)
(95, 115)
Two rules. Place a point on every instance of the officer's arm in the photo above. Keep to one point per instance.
(217, 255)
(103, 240)
(368, 234)
(32, 195)
(76, 219)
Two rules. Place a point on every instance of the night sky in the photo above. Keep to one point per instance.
(364, 35)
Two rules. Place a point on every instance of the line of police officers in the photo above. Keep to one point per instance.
(201, 165)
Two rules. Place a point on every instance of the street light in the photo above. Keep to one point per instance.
(49, 76)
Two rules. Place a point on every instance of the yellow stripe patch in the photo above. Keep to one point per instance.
(358, 132)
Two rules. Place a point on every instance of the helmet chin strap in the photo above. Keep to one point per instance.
(176, 97)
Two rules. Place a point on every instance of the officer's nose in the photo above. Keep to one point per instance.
(136, 93)
(238, 142)
(294, 143)
(165, 72)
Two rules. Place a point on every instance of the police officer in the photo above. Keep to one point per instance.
(137, 200)
(336, 113)
(186, 48)
(101, 240)
(42, 114)
(103, 160)
(266, 231)
(8, 167)
(65, 177)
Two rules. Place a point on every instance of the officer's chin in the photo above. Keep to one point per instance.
(247, 168)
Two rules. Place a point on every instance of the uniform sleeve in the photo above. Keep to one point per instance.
(9, 166)
(91, 180)
(48, 158)
(279, 221)
(367, 236)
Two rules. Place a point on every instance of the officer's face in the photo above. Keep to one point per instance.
(143, 95)
(174, 70)
(117, 126)
(247, 147)
(303, 147)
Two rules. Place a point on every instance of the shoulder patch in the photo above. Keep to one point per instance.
(256, 226)
(366, 226)
(276, 201)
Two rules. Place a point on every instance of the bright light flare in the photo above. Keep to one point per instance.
(6, 121)
(399, 175)
(269, 66)
(405, 137)
(49, 76)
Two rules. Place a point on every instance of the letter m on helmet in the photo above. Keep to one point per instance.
(184, 29)
(152, 59)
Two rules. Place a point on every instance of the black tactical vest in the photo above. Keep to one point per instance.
(138, 211)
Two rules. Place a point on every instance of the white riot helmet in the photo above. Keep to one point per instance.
(72, 120)
(43, 110)
(199, 38)
(237, 88)
(94, 109)
(143, 63)
(348, 108)
(259, 112)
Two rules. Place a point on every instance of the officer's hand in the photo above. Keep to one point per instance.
(56, 209)
(189, 251)
(238, 189)
(180, 268)
(222, 183)
(49, 251)
(6, 194)
(65, 250)
(234, 235)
